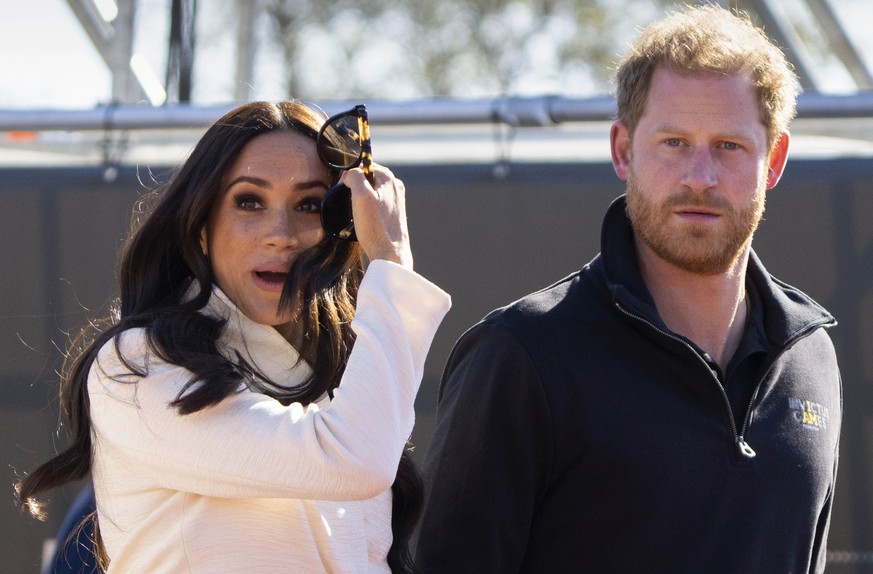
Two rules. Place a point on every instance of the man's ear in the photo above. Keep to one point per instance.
(620, 145)
(777, 159)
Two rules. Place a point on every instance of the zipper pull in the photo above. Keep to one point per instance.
(744, 448)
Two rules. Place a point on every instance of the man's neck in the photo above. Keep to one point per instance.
(710, 310)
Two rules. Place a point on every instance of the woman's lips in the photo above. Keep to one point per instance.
(270, 280)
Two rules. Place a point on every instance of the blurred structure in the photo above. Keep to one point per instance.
(804, 28)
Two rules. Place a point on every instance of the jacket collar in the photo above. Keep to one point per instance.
(260, 345)
(788, 313)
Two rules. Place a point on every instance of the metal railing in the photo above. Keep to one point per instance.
(536, 111)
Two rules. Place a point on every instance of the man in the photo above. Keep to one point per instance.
(671, 407)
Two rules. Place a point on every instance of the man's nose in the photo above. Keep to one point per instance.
(701, 170)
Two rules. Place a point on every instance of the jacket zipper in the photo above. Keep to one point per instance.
(740, 443)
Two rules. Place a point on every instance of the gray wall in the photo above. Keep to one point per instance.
(486, 241)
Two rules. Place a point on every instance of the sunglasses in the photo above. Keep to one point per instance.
(343, 142)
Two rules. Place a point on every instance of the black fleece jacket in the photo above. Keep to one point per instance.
(576, 433)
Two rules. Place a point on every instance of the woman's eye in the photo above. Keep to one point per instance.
(247, 203)
(310, 205)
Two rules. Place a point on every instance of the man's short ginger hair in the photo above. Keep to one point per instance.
(702, 40)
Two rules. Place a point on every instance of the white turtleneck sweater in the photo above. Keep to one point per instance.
(250, 485)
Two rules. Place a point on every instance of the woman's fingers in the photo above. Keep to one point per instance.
(380, 215)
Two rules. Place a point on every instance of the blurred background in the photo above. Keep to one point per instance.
(495, 113)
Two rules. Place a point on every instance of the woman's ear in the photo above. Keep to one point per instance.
(204, 243)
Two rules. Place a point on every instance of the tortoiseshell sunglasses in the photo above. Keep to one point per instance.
(343, 142)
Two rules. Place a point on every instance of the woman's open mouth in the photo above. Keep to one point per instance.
(270, 280)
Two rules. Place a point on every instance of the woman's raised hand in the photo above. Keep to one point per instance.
(379, 212)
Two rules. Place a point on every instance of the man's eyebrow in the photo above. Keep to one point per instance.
(671, 129)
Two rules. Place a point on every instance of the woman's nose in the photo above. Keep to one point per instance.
(280, 231)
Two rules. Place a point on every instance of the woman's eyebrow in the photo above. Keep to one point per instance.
(260, 182)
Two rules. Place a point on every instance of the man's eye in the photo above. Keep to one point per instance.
(674, 142)
(730, 145)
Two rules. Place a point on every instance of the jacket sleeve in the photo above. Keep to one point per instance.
(250, 445)
(488, 460)
(820, 542)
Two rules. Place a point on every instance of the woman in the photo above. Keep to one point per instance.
(248, 407)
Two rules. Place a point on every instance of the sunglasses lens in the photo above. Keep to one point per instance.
(339, 143)
(336, 213)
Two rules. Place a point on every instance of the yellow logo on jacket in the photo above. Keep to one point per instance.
(811, 415)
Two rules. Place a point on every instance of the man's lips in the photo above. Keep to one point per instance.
(697, 214)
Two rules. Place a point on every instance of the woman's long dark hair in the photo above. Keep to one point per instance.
(160, 263)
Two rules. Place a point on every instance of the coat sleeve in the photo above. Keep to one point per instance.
(488, 460)
(250, 445)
